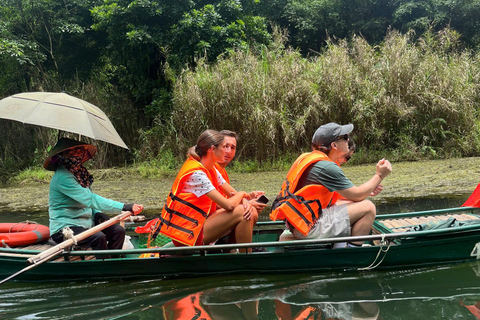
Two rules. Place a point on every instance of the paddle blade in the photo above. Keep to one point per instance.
(474, 199)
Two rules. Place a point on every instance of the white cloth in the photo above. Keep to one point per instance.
(334, 222)
(199, 184)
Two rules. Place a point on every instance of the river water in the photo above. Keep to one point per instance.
(442, 292)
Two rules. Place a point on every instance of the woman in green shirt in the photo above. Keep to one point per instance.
(73, 204)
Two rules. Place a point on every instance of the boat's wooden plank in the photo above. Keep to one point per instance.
(395, 223)
(38, 246)
(417, 221)
(388, 224)
(466, 217)
(404, 223)
(423, 219)
(410, 221)
(74, 258)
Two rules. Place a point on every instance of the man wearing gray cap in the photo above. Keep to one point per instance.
(308, 196)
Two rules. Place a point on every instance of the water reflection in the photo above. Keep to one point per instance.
(447, 292)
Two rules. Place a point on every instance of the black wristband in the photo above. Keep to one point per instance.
(128, 207)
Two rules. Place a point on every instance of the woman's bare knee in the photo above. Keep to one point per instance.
(237, 213)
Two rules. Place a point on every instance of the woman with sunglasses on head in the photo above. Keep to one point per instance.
(317, 177)
(196, 212)
(71, 202)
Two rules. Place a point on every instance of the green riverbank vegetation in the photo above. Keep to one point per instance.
(405, 73)
(408, 99)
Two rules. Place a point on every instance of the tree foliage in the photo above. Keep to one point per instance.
(127, 55)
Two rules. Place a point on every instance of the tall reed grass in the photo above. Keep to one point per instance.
(410, 98)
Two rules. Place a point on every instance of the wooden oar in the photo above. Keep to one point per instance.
(59, 248)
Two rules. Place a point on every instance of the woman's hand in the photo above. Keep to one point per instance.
(256, 194)
(135, 208)
(248, 209)
(258, 205)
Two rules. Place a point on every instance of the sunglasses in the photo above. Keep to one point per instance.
(344, 137)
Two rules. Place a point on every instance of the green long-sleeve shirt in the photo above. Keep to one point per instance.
(71, 205)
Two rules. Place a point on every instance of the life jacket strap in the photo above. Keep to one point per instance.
(298, 213)
(174, 212)
(184, 216)
(287, 195)
(194, 207)
(179, 228)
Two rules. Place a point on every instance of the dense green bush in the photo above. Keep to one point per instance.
(411, 98)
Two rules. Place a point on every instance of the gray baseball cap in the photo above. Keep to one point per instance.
(327, 133)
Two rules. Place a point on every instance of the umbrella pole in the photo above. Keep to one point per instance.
(59, 248)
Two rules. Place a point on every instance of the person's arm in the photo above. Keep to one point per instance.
(228, 189)
(228, 204)
(249, 206)
(384, 167)
(71, 188)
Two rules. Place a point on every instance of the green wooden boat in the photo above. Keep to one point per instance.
(393, 243)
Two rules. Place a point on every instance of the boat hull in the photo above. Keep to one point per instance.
(454, 248)
(388, 250)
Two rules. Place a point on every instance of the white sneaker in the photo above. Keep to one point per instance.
(337, 245)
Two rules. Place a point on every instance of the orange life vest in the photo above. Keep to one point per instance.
(184, 214)
(303, 207)
(224, 174)
(188, 308)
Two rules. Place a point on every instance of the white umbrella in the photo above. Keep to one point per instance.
(60, 111)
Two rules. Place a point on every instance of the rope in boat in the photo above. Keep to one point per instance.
(68, 234)
(381, 249)
(25, 223)
(5, 244)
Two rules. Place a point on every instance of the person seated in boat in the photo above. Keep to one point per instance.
(196, 211)
(306, 201)
(71, 202)
(231, 139)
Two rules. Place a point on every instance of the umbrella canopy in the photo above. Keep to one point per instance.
(60, 111)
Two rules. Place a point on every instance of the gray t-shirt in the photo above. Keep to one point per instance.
(327, 174)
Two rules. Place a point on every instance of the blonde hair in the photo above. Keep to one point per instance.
(205, 141)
